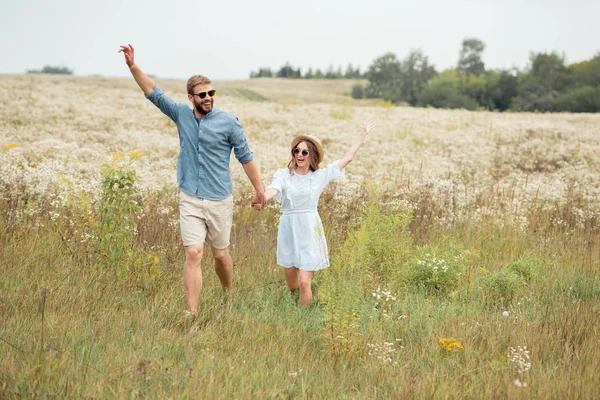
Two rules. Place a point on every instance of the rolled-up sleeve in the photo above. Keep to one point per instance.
(163, 102)
(240, 144)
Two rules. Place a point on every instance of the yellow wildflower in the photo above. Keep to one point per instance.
(450, 344)
(117, 155)
(11, 146)
(134, 155)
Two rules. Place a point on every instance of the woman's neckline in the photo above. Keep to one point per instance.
(299, 174)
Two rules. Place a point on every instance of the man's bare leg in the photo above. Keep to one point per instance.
(192, 276)
(224, 267)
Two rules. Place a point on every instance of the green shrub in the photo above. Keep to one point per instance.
(434, 273)
(500, 287)
(527, 267)
(358, 91)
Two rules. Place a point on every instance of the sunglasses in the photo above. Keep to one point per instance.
(297, 151)
(202, 95)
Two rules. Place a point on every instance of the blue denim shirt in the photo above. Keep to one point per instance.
(205, 147)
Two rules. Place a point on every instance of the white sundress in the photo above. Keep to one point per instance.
(300, 239)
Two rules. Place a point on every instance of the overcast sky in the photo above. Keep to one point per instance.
(228, 39)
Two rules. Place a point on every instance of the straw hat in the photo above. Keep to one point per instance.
(314, 140)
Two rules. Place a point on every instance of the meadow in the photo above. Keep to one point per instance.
(465, 250)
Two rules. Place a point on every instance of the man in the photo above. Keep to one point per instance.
(206, 136)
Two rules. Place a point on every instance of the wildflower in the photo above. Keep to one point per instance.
(520, 357)
(134, 155)
(382, 351)
(450, 344)
(520, 384)
(117, 155)
(11, 146)
(505, 314)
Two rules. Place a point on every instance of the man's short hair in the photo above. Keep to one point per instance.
(196, 80)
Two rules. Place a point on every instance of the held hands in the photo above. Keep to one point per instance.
(128, 52)
(368, 126)
(258, 201)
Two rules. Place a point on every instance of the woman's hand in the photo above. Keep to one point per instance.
(368, 126)
(257, 203)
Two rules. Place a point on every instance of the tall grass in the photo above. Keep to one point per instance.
(73, 326)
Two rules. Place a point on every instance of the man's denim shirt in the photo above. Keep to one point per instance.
(205, 147)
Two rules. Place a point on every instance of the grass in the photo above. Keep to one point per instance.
(95, 335)
(519, 266)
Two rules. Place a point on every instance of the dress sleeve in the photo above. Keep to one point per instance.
(278, 182)
(329, 173)
(334, 171)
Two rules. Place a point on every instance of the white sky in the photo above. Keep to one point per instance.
(227, 39)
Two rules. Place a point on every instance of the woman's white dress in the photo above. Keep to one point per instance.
(300, 240)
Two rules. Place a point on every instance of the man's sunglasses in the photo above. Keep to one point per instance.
(202, 95)
(297, 151)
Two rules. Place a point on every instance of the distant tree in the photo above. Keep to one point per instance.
(444, 92)
(319, 74)
(309, 74)
(476, 87)
(502, 88)
(352, 73)
(582, 99)
(585, 73)
(287, 71)
(49, 69)
(544, 81)
(549, 69)
(330, 74)
(469, 61)
(415, 74)
(262, 73)
(384, 77)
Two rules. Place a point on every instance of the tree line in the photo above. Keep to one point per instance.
(288, 71)
(52, 69)
(548, 84)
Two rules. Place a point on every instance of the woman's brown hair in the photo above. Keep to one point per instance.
(312, 152)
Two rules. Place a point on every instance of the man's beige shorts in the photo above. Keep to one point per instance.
(205, 220)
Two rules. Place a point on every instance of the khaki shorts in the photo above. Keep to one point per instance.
(203, 220)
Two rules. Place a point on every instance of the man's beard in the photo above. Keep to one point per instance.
(201, 111)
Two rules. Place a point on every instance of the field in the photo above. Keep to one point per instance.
(465, 250)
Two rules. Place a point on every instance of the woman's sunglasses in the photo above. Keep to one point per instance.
(297, 151)
(202, 95)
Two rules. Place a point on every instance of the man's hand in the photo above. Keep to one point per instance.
(143, 81)
(128, 52)
(258, 201)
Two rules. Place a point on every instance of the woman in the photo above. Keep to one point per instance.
(301, 244)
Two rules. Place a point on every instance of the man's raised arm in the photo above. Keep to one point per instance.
(143, 81)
